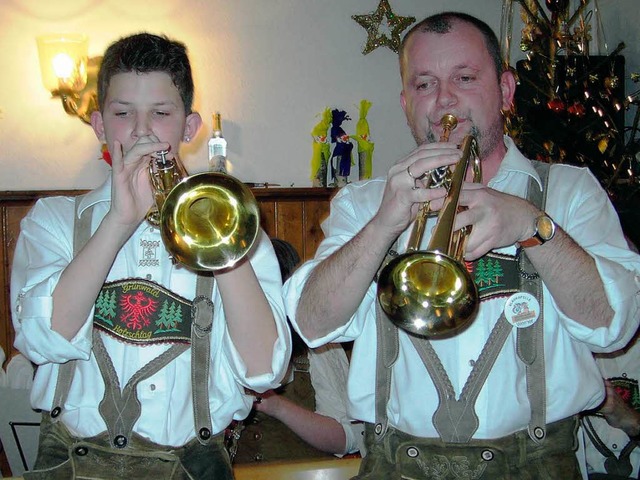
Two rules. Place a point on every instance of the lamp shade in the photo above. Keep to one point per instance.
(63, 61)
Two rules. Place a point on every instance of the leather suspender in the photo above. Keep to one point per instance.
(121, 409)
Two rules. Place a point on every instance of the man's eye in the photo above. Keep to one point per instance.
(467, 78)
(424, 85)
(121, 114)
(162, 114)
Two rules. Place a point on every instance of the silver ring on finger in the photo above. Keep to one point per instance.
(410, 174)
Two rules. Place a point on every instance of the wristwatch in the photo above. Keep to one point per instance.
(544, 230)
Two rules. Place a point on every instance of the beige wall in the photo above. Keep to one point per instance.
(269, 66)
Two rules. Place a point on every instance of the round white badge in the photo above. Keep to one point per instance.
(522, 309)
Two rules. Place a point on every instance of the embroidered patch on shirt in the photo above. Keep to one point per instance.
(139, 311)
(495, 275)
(149, 253)
(627, 388)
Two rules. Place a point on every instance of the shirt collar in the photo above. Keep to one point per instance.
(98, 195)
(514, 162)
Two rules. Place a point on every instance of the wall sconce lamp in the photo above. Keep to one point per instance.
(69, 73)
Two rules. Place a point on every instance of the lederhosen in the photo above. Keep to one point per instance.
(119, 452)
(263, 438)
(540, 452)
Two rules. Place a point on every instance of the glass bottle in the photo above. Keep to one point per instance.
(217, 147)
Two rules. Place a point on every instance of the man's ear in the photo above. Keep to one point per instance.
(403, 102)
(508, 89)
(192, 125)
(98, 125)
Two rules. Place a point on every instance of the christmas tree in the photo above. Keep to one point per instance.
(570, 106)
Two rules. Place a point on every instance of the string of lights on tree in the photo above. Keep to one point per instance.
(570, 105)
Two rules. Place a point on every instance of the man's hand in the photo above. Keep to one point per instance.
(497, 219)
(618, 413)
(405, 189)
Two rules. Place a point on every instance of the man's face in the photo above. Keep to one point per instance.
(142, 108)
(453, 73)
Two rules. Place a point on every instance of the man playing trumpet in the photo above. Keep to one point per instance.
(497, 399)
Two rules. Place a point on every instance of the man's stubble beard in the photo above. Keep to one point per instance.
(487, 142)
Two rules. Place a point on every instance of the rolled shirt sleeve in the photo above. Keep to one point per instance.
(42, 252)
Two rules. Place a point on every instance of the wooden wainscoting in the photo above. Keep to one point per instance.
(291, 214)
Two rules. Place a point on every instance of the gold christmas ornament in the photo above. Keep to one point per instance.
(373, 23)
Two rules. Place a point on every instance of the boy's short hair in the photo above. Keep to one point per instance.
(146, 53)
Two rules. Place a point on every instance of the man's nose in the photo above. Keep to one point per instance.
(446, 95)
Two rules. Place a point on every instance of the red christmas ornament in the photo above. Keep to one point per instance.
(577, 109)
(556, 105)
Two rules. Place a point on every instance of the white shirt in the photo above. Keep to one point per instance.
(577, 203)
(45, 248)
(328, 370)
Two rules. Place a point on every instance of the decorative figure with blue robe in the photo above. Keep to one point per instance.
(341, 159)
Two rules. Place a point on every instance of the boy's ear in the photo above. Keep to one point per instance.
(192, 125)
(98, 125)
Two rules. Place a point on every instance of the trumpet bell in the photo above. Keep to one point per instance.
(209, 221)
(429, 294)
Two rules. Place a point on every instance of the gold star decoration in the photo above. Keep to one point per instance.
(372, 23)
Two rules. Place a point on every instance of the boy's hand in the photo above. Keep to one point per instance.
(131, 191)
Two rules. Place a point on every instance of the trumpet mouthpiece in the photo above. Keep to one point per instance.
(448, 122)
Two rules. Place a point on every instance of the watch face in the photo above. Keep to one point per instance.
(546, 227)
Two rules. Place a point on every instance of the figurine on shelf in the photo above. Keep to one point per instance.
(341, 159)
(365, 146)
(321, 150)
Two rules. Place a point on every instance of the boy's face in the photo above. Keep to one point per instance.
(143, 107)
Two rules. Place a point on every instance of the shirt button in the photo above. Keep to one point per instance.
(472, 363)
(149, 276)
(152, 387)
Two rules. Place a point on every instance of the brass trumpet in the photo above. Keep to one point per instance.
(430, 293)
(208, 221)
